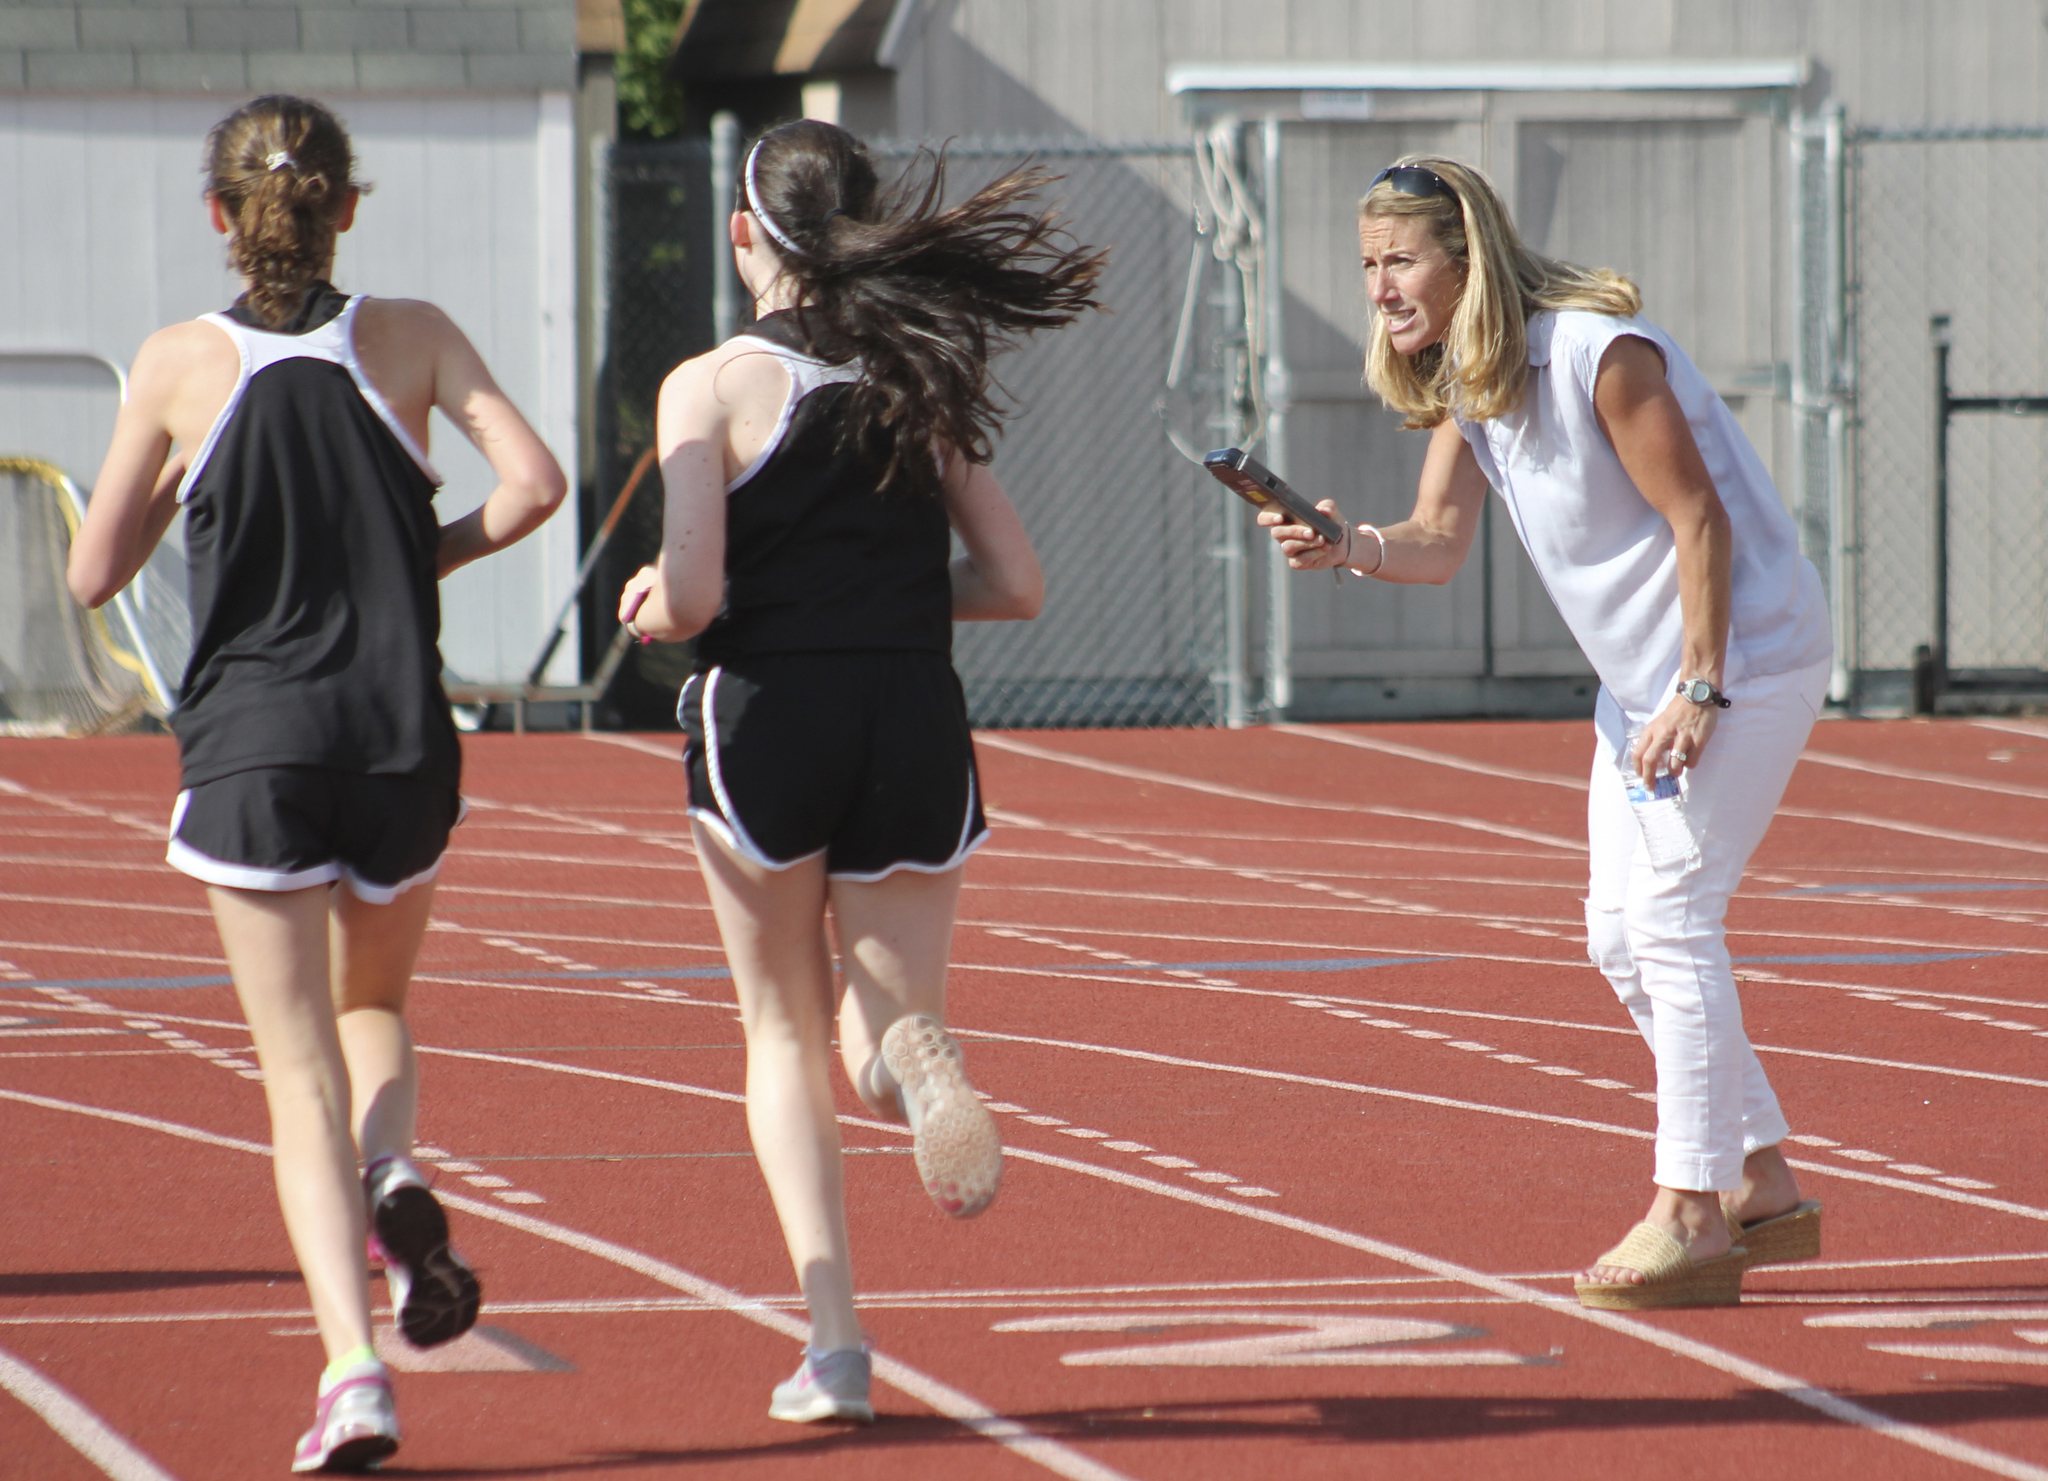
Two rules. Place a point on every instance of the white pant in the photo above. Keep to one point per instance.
(1659, 938)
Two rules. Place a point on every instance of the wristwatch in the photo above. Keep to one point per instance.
(1700, 692)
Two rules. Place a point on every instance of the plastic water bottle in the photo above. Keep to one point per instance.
(1668, 840)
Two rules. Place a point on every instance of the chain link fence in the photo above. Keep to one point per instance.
(1948, 222)
(1133, 539)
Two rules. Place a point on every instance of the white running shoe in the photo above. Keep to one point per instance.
(826, 1385)
(434, 1295)
(355, 1425)
(959, 1152)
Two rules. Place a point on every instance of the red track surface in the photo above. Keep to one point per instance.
(1312, 1100)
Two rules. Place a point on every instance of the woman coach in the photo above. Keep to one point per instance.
(1669, 554)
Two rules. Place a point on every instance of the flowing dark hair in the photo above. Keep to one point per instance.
(282, 170)
(923, 294)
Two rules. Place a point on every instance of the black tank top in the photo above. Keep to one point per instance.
(310, 538)
(817, 559)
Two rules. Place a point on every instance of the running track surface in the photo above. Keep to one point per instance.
(1312, 1103)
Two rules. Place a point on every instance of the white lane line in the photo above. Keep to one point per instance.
(1796, 1389)
(942, 1398)
(1046, 1452)
(571, 820)
(1513, 1113)
(1112, 979)
(80, 1428)
(672, 752)
(1433, 758)
(1279, 1292)
(1824, 1401)
(1911, 774)
(1274, 799)
(960, 1407)
(158, 829)
(1817, 758)
(1995, 1205)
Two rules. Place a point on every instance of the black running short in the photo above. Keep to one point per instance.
(865, 758)
(292, 827)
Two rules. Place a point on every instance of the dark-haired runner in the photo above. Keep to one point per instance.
(816, 467)
(320, 763)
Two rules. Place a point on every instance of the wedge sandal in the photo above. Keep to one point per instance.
(1670, 1276)
(1783, 1239)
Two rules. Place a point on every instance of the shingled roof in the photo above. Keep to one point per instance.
(316, 46)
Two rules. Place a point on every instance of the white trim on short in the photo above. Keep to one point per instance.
(384, 894)
(961, 850)
(206, 869)
(744, 846)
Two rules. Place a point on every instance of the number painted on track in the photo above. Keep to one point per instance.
(1304, 1340)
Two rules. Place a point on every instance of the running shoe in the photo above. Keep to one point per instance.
(355, 1425)
(959, 1153)
(434, 1295)
(826, 1385)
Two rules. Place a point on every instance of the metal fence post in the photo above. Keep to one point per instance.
(1845, 575)
(1278, 392)
(725, 173)
(1933, 675)
(1236, 608)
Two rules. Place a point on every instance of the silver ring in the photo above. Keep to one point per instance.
(1680, 757)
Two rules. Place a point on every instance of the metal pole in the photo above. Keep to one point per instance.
(1236, 604)
(1838, 384)
(725, 174)
(1938, 333)
(1278, 393)
(1804, 398)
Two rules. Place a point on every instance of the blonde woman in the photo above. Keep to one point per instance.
(319, 761)
(1669, 553)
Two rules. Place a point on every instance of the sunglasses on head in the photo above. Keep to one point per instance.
(1413, 180)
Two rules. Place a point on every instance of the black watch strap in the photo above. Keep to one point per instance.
(1700, 692)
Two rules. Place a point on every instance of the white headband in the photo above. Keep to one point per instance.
(761, 212)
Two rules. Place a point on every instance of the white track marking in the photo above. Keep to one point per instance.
(1910, 774)
(593, 825)
(157, 828)
(1184, 984)
(671, 753)
(1433, 758)
(2010, 727)
(1797, 1390)
(1276, 1294)
(1809, 756)
(115, 953)
(1917, 830)
(701, 1092)
(1273, 799)
(1351, 1087)
(1825, 1402)
(1044, 1451)
(1932, 1317)
(1316, 1340)
(80, 1428)
(941, 1398)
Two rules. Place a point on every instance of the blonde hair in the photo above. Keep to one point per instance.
(1477, 369)
(282, 170)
